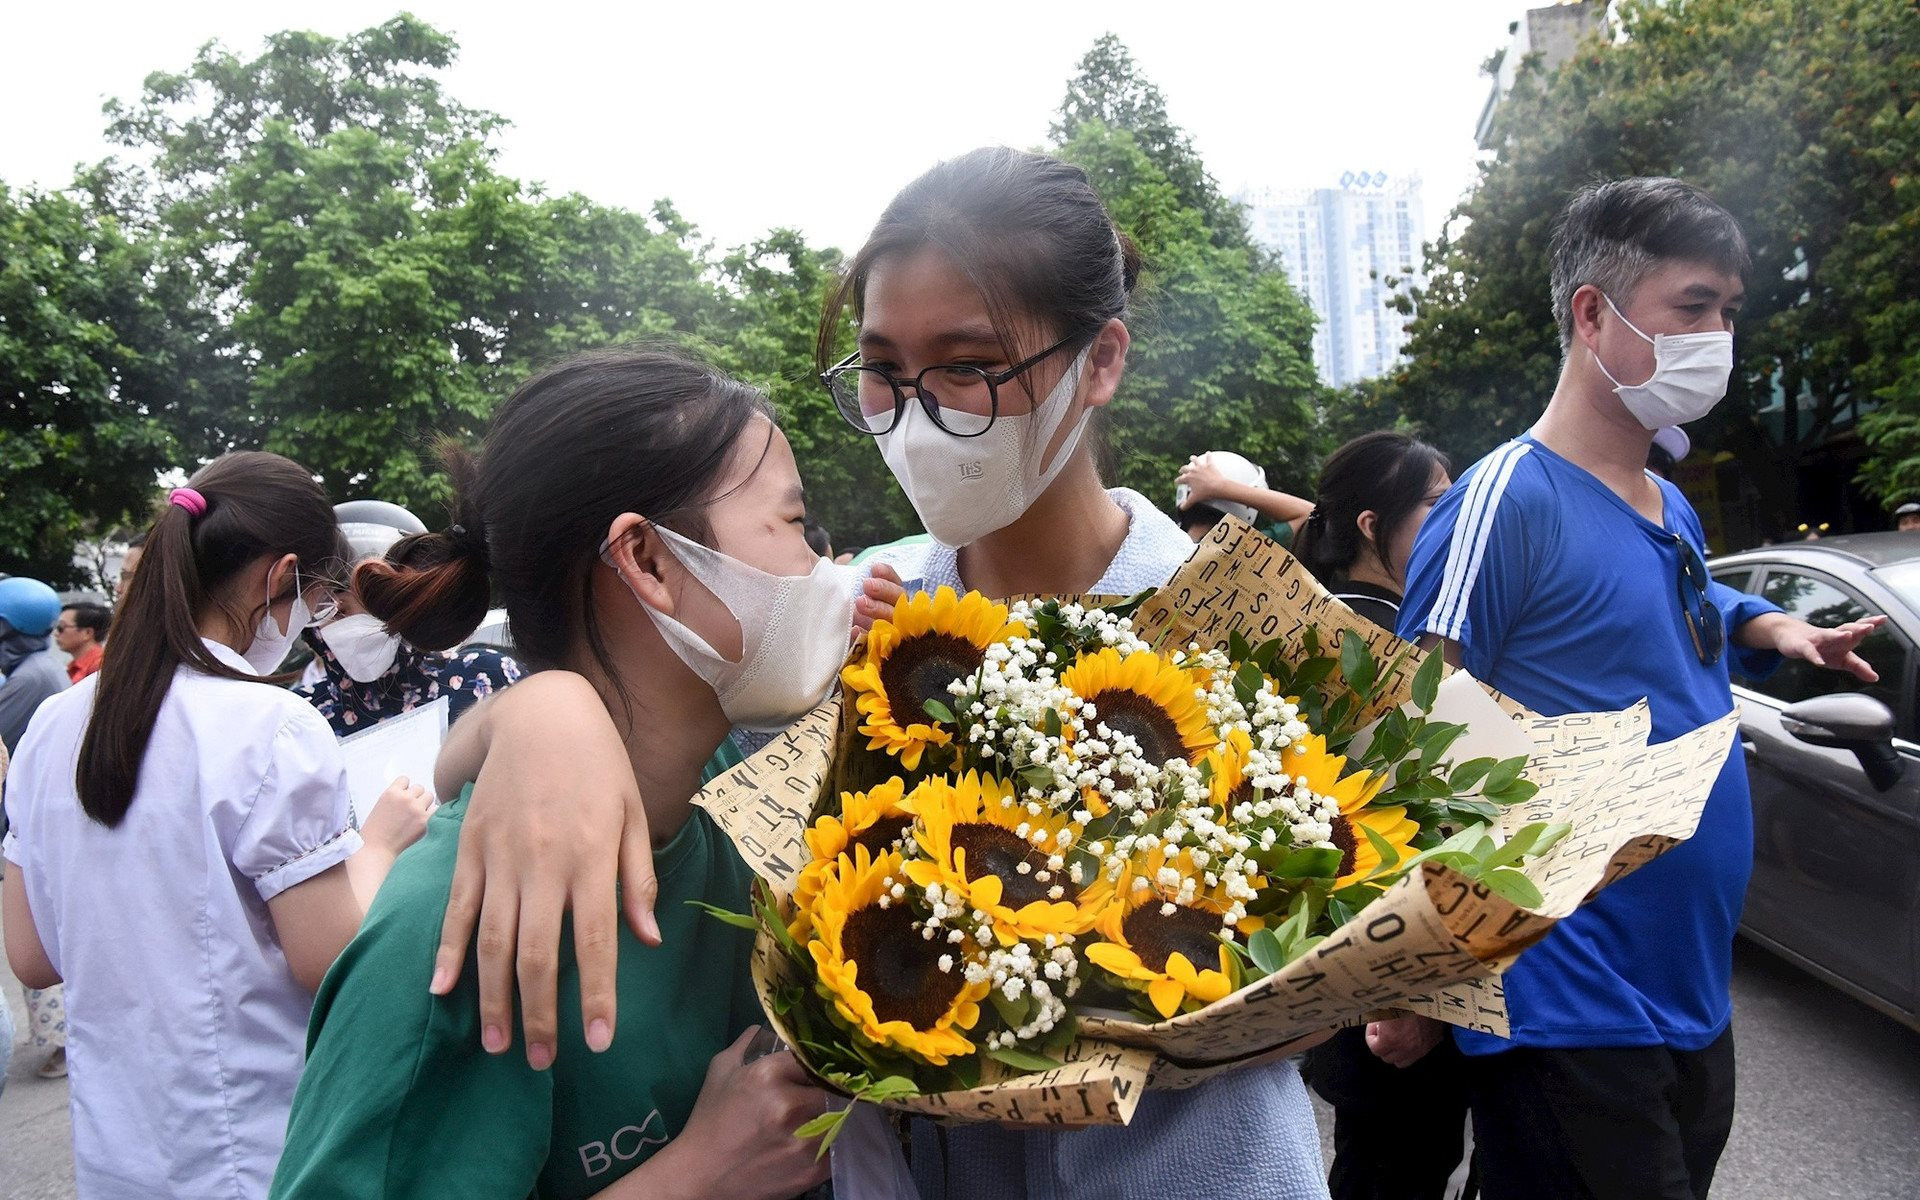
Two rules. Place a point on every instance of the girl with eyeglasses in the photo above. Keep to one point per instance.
(182, 853)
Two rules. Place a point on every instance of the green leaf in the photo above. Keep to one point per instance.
(1263, 947)
(1468, 774)
(1023, 1060)
(1389, 855)
(1356, 661)
(1426, 682)
(1505, 774)
(1514, 886)
(738, 920)
(826, 1127)
(939, 712)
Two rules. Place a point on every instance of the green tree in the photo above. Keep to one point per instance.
(340, 224)
(1223, 355)
(79, 378)
(1804, 121)
(1110, 90)
(776, 289)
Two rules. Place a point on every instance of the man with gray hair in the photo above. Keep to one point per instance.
(1562, 572)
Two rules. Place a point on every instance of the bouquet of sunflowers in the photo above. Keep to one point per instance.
(1056, 848)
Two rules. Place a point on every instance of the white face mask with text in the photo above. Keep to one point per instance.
(1690, 372)
(965, 488)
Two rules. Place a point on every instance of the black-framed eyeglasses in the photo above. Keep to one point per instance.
(1704, 623)
(962, 400)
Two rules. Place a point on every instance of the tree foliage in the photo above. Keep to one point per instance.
(1223, 344)
(313, 250)
(1803, 121)
(1111, 91)
(80, 373)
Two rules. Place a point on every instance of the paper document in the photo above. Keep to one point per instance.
(403, 745)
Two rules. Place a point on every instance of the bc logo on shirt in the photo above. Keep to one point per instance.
(626, 1144)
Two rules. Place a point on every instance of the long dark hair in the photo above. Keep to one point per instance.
(608, 432)
(1386, 471)
(1027, 230)
(257, 505)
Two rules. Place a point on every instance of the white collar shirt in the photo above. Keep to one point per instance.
(185, 1028)
(1153, 550)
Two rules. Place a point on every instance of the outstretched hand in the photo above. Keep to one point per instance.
(1831, 648)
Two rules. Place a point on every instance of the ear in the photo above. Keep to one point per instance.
(280, 574)
(1590, 312)
(639, 555)
(1106, 362)
(1367, 522)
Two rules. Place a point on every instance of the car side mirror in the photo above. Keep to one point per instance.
(1849, 721)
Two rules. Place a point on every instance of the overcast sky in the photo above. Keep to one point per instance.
(750, 116)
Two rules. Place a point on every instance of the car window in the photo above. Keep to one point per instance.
(1819, 601)
(1740, 579)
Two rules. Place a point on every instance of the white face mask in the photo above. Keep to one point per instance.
(1690, 373)
(270, 642)
(362, 644)
(965, 488)
(793, 634)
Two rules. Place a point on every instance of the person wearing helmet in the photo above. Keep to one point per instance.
(1906, 518)
(1222, 483)
(1670, 445)
(28, 609)
(362, 674)
(33, 673)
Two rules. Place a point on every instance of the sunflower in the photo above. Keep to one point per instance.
(1308, 759)
(876, 819)
(1167, 946)
(1226, 766)
(894, 987)
(930, 642)
(1146, 698)
(975, 839)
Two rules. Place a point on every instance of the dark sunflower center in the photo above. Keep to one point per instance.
(1346, 843)
(992, 850)
(899, 969)
(920, 668)
(1189, 931)
(880, 836)
(1246, 793)
(1132, 714)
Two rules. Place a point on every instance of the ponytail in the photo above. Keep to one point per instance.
(236, 509)
(432, 589)
(1387, 473)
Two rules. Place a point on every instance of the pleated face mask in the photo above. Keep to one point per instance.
(793, 634)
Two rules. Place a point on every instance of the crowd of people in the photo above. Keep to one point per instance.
(268, 997)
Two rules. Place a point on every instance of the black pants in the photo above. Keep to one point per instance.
(1610, 1124)
(1397, 1133)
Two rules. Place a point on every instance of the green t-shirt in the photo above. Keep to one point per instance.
(398, 1098)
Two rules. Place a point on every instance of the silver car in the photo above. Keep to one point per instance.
(1835, 771)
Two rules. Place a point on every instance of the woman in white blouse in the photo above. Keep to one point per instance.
(182, 855)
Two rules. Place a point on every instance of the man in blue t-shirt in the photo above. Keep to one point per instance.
(1561, 572)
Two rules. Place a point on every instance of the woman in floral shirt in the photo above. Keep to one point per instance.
(416, 677)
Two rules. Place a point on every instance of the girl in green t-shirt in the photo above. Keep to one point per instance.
(641, 515)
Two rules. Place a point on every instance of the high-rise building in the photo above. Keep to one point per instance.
(1341, 245)
(1543, 38)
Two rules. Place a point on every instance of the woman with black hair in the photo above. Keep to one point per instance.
(642, 518)
(182, 852)
(1396, 1087)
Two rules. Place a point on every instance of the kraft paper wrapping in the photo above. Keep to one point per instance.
(1435, 943)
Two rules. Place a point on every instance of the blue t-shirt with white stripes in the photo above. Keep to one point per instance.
(1565, 598)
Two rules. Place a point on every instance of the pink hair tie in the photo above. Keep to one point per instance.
(187, 498)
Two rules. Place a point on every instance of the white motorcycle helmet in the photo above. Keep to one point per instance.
(1240, 470)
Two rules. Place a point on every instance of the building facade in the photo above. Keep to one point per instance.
(1342, 247)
